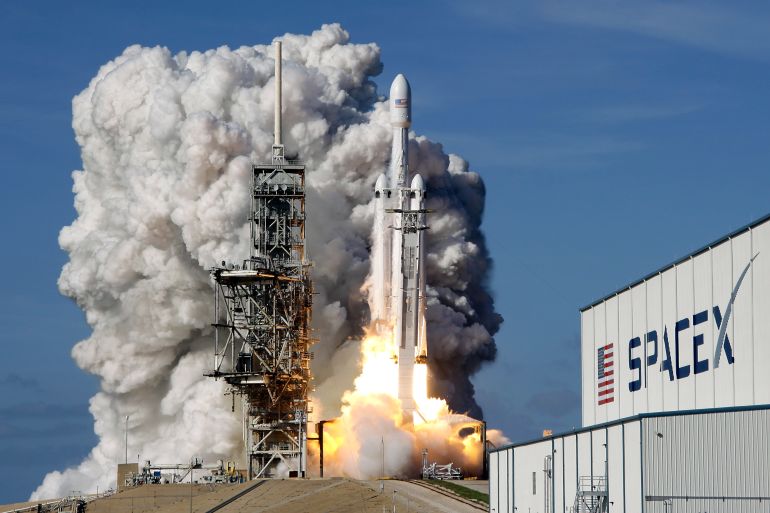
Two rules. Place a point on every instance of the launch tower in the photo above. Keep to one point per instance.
(262, 317)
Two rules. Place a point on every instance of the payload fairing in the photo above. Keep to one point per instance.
(398, 302)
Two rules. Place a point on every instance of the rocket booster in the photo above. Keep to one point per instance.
(398, 301)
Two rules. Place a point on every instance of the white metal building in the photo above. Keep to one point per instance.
(675, 396)
(686, 461)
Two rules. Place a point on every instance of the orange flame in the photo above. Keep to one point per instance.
(372, 439)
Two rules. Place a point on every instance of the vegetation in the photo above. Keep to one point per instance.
(460, 490)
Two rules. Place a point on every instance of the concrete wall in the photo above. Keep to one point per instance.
(124, 470)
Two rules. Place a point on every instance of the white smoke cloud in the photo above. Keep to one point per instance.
(167, 142)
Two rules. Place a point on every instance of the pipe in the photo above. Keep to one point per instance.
(278, 92)
(320, 439)
(484, 452)
(321, 445)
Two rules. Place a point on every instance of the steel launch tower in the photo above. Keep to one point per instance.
(262, 317)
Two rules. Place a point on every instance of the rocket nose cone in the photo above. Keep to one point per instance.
(400, 102)
(417, 183)
(399, 88)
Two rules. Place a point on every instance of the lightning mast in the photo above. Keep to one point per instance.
(262, 316)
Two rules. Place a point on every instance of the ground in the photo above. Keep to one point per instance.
(335, 495)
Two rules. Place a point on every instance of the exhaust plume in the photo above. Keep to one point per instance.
(167, 143)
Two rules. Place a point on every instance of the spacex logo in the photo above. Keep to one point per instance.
(668, 348)
(670, 361)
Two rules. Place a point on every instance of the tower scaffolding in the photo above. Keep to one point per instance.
(262, 318)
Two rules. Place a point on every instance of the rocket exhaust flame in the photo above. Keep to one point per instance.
(375, 438)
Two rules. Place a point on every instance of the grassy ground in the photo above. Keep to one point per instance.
(462, 491)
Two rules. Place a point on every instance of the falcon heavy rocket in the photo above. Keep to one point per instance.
(398, 305)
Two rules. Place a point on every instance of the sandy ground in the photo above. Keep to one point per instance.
(166, 498)
(334, 495)
(344, 496)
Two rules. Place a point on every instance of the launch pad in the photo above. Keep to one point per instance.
(263, 306)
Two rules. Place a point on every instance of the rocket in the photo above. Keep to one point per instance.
(398, 302)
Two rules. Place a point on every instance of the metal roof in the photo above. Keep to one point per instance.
(633, 418)
(705, 248)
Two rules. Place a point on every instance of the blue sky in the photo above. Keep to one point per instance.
(613, 137)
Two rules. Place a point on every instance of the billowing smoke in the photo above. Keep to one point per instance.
(167, 142)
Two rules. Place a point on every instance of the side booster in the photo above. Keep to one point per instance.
(399, 269)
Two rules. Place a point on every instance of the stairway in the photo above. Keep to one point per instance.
(591, 496)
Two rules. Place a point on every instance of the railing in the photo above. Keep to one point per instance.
(72, 503)
(591, 496)
(592, 483)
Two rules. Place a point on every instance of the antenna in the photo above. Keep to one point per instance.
(278, 153)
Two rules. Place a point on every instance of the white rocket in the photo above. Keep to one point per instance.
(398, 302)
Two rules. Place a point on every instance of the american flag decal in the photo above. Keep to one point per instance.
(604, 366)
(401, 102)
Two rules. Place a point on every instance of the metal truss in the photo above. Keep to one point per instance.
(262, 326)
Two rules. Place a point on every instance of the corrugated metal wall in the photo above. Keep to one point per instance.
(495, 487)
(721, 455)
(518, 481)
(665, 330)
(681, 459)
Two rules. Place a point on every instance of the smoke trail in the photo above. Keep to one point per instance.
(166, 143)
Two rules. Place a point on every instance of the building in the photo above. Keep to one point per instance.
(675, 396)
